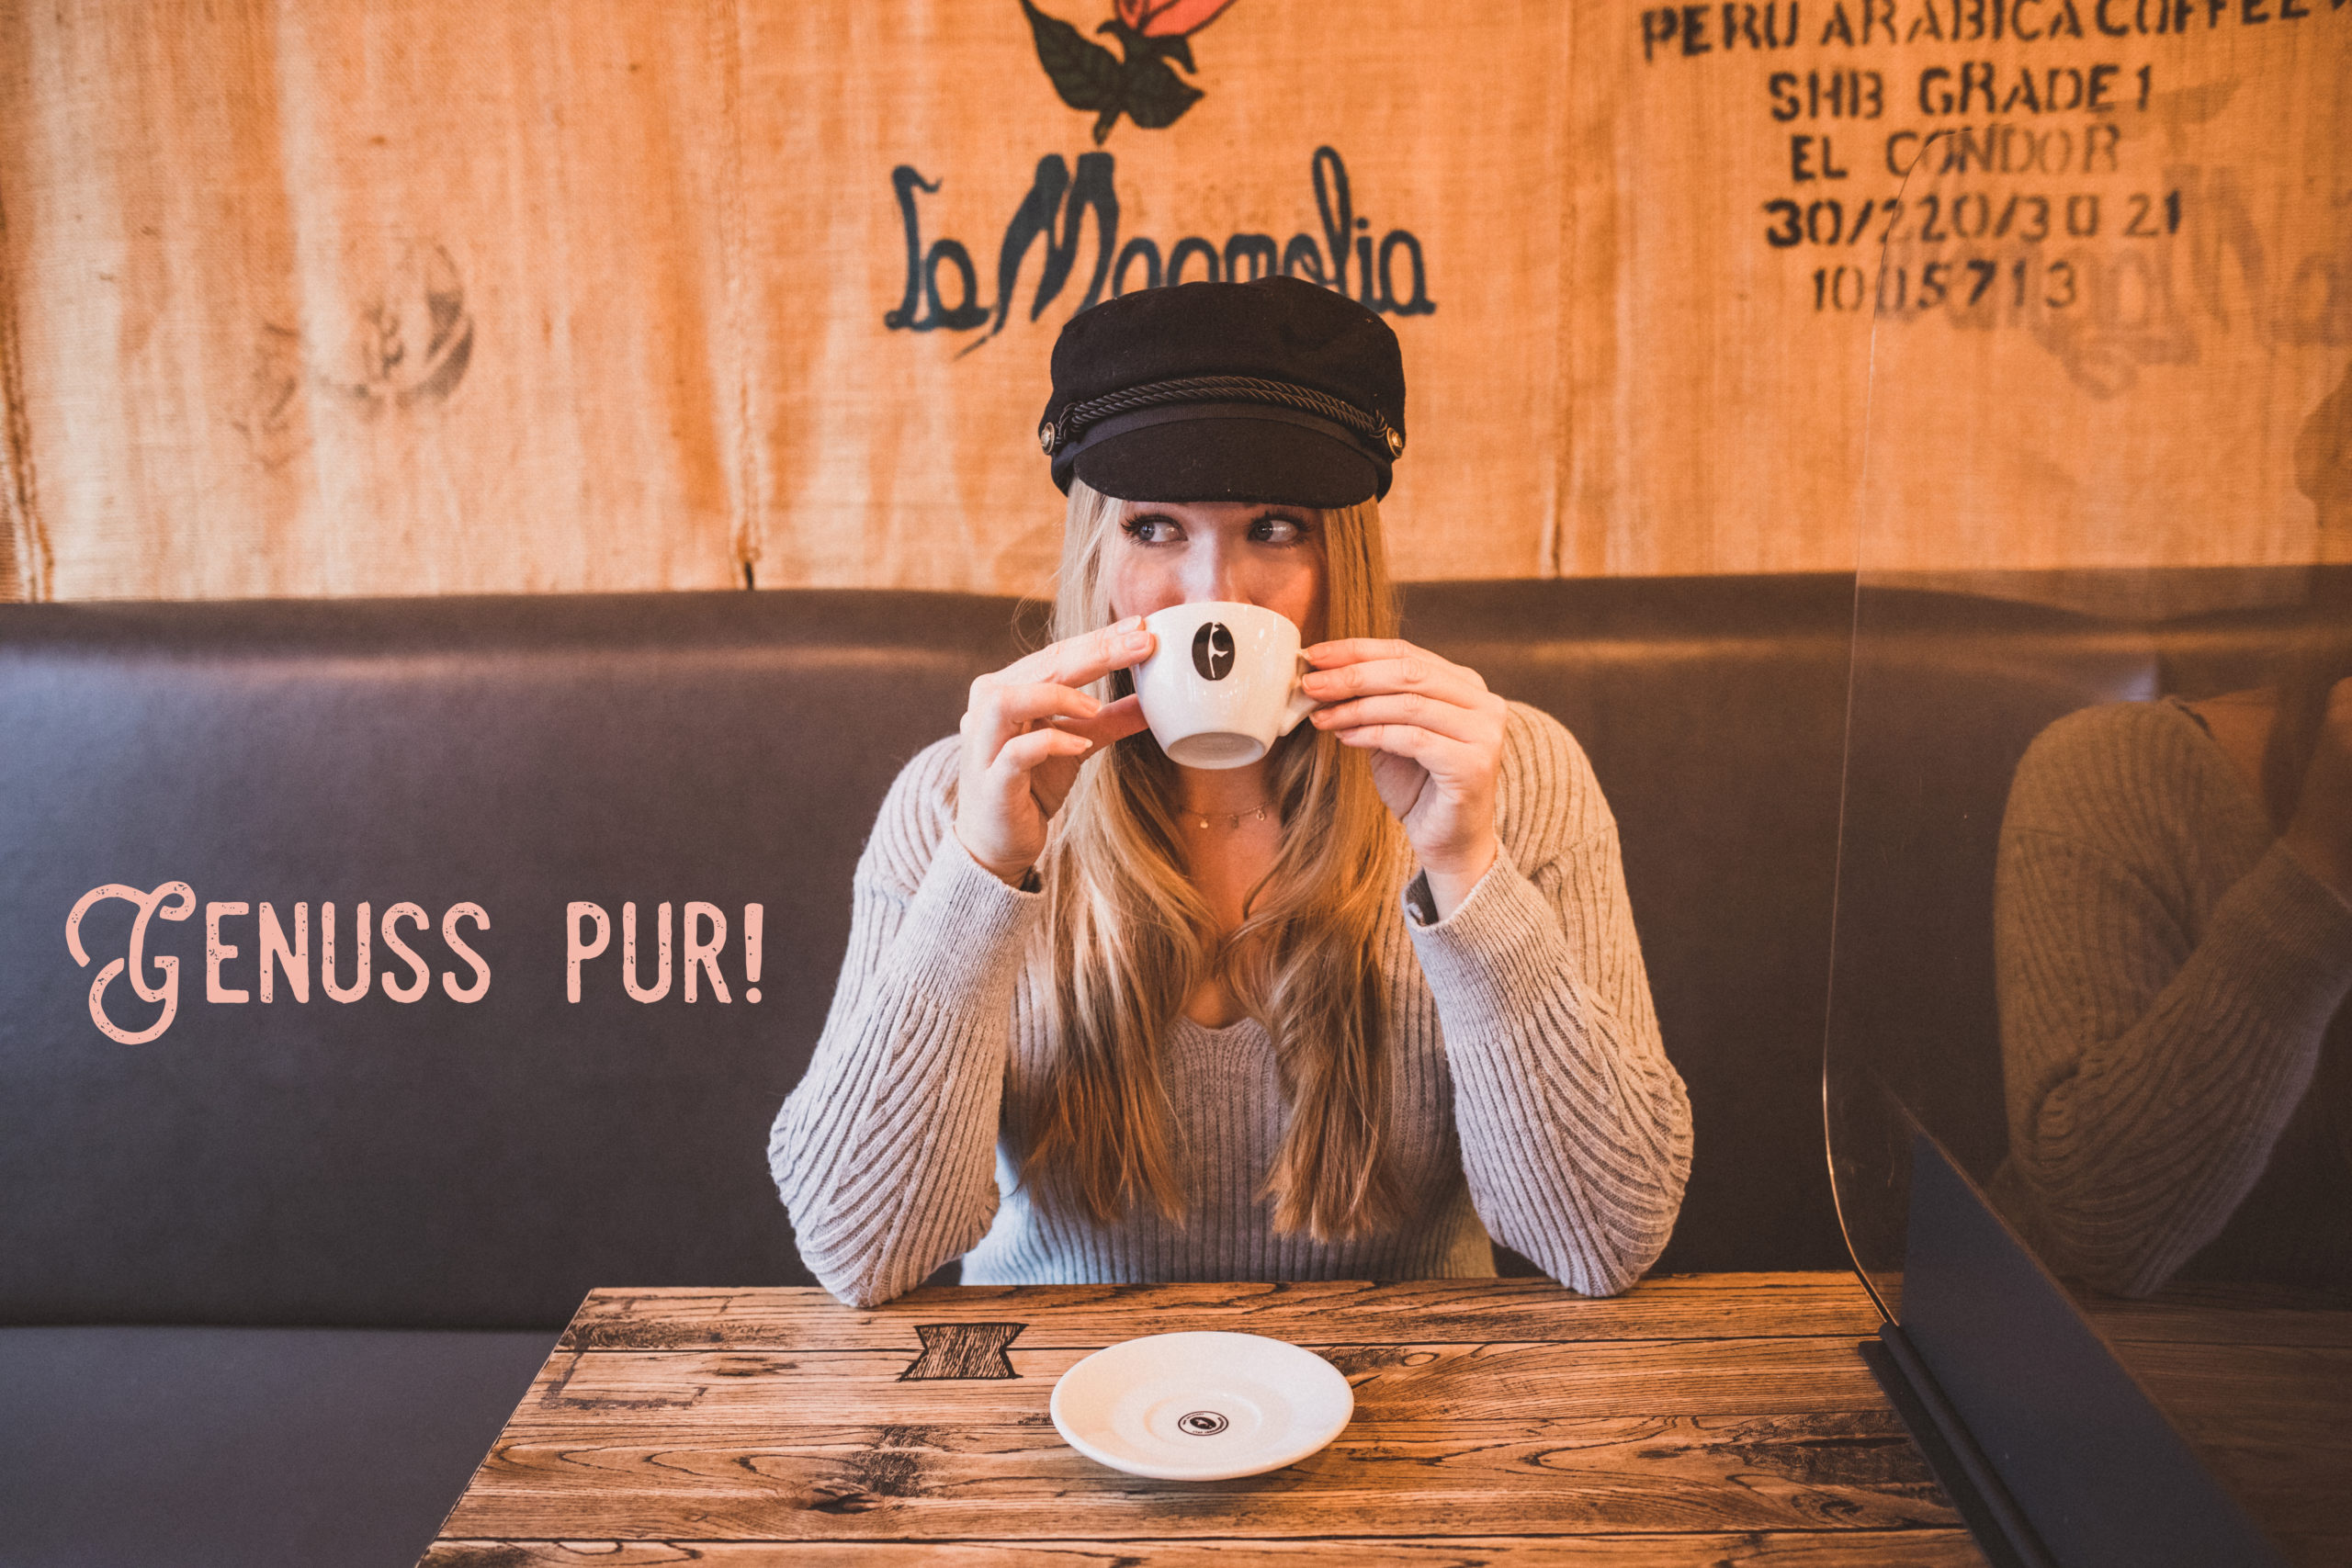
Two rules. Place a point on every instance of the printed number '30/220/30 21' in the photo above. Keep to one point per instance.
(1941, 218)
(1966, 284)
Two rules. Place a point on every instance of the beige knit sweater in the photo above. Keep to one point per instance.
(1529, 1092)
(2168, 978)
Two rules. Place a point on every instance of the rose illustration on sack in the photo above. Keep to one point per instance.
(1142, 85)
(1169, 19)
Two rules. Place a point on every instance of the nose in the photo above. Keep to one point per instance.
(1212, 571)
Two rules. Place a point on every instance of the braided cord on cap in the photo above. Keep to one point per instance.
(1373, 430)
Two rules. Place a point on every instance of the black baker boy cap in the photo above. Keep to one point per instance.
(1272, 390)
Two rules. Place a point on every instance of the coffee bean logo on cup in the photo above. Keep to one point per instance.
(1224, 685)
(1212, 651)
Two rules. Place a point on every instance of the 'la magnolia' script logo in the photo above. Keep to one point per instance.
(1388, 275)
(1384, 271)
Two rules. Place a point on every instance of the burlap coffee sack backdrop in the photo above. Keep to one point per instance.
(369, 298)
(940, 170)
(439, 297)
(2103, 316)
(2150, 380)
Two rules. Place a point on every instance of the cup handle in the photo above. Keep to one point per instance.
(1301, 705)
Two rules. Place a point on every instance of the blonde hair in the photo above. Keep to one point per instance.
(1127, 936)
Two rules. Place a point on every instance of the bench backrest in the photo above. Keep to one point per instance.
(450, 1162)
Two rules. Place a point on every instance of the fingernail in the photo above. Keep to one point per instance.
(1131, 624)
(1136, 639)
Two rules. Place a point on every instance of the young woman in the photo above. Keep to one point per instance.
(1344, 1013)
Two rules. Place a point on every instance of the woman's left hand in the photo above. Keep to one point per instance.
(1436, 736)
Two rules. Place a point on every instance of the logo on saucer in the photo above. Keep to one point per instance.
(1201, 1423)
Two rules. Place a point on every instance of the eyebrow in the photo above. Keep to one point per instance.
(1272, 514)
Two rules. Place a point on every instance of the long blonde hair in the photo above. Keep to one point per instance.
(1127, 936)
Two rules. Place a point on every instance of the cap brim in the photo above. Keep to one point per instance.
(1231, 459)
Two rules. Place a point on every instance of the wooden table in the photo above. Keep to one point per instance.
(1698, 1418)
(2259, 1379)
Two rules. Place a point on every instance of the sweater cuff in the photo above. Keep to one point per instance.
(965, 928)
(2298, 953)
(1494, 944)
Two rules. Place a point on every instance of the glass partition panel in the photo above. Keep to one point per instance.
(2094, 929)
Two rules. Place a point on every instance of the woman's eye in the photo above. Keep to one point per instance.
(1277, 530)
(1151, 530)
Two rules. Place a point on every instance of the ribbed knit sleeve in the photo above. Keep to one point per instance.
(1575, 1128)
(884, 1153)
(2160, 1020)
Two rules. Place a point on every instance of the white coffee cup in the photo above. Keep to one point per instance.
(1223, 683)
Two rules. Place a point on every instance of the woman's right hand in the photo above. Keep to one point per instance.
(1027, 729)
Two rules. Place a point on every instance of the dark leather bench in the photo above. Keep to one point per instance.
(272, 1278)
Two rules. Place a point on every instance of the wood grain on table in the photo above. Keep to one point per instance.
(1700, 1418)
(2258, 1378)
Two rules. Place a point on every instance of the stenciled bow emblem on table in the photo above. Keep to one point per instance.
(1141, 86)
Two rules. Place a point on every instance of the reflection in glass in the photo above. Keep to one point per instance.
(2094, 929)
(2173, 922)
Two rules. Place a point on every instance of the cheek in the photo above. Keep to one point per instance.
(1140, 583)
(1297, 592)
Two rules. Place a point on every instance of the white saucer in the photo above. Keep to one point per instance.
(1201, 1406)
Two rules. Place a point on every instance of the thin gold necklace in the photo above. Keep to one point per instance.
(1232, 819)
